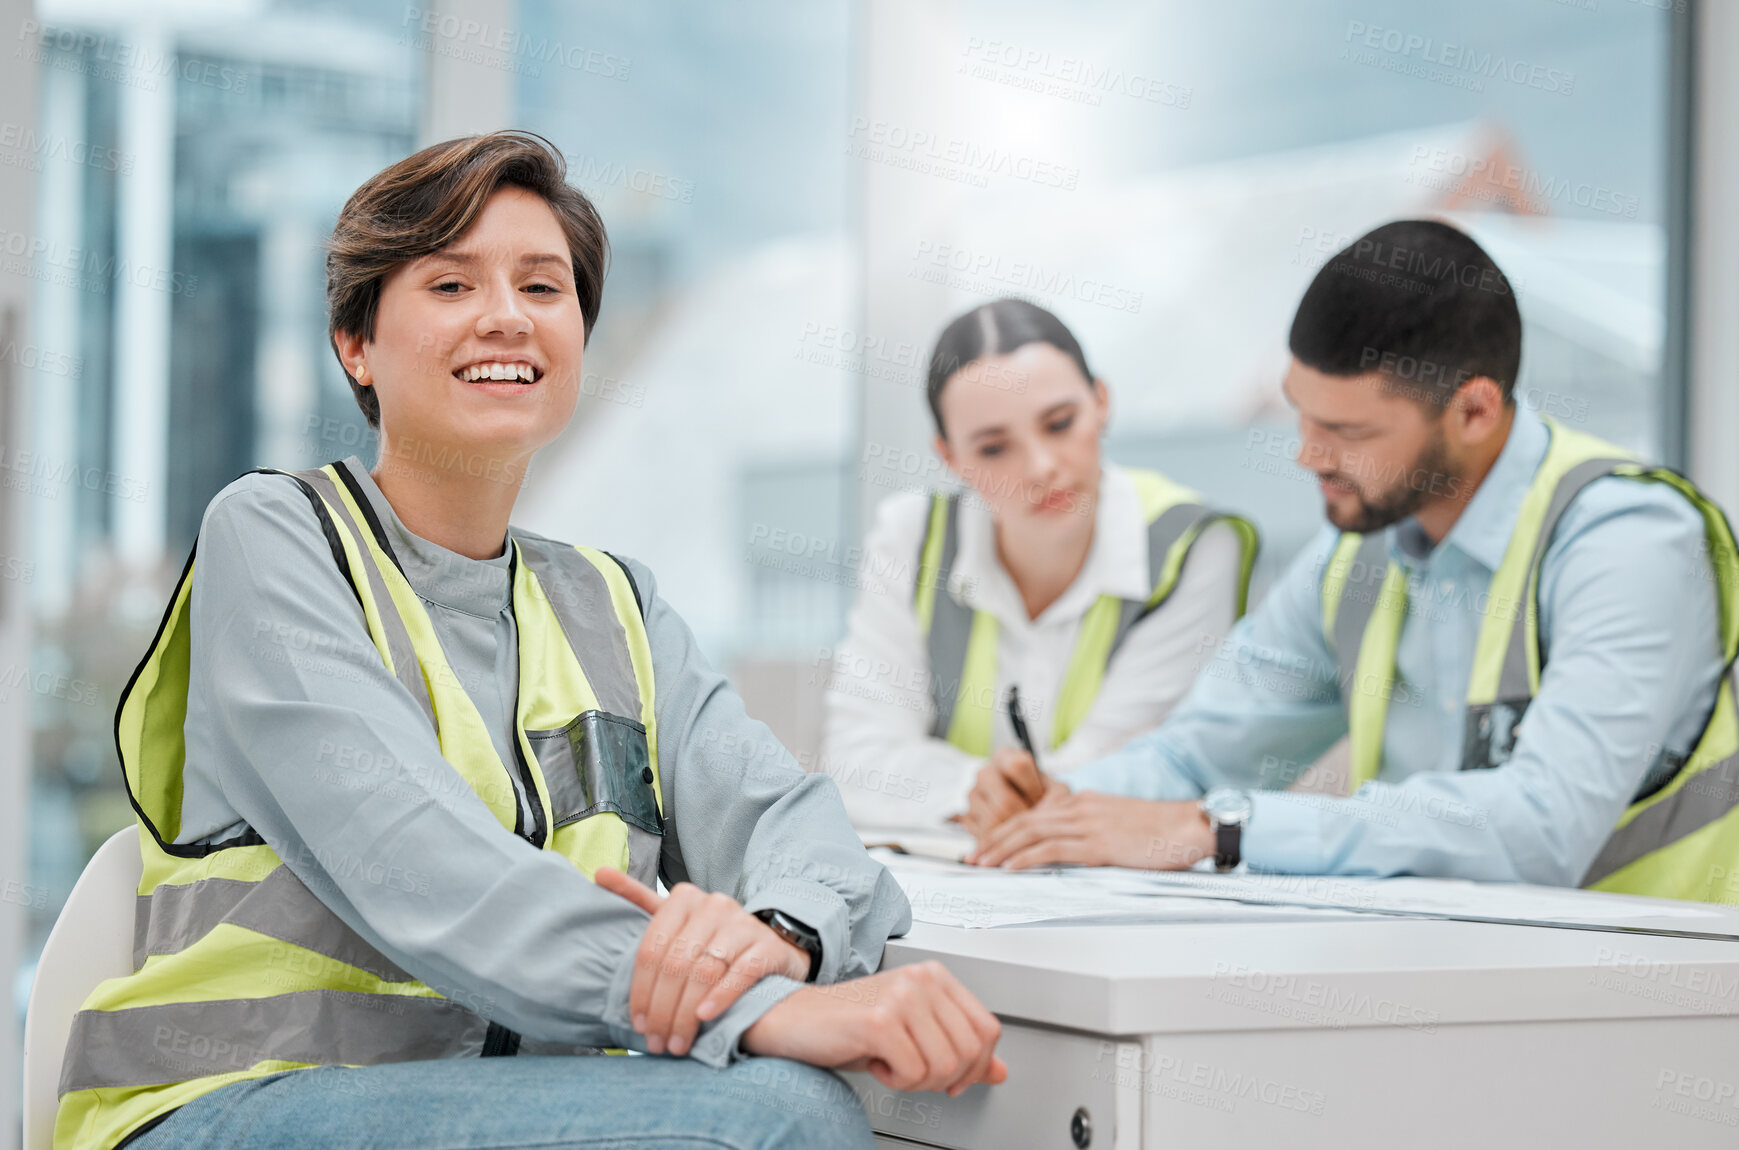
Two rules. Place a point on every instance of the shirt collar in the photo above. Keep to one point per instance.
(475, 586)
(1485, 526)
(1116, 560)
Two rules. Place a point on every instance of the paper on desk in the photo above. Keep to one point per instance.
(949, 894)
(952, 894)
(1443, 896)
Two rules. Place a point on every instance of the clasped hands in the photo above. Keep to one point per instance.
(1023, 818)
(913, 1027)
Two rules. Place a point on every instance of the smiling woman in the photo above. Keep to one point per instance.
(478, 290)
(553, 738)
(400, 221)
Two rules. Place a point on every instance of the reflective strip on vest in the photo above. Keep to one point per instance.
(1491, 723)
(240, 969)
(400, 656)
(949, 626)
(579, 596)
(157, 1045)
(1366, 623)
(1680, 837)
(930, 559)
(465, 740)
(1706, 797)
(1358, 568)
(172, 918)
(962, 642)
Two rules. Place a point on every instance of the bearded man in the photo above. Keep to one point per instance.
(1525, 632)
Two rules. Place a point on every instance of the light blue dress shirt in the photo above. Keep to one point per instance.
(1628, 627)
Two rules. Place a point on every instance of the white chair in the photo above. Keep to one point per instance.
(92, 940)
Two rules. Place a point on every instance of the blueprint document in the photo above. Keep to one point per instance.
(953, 894)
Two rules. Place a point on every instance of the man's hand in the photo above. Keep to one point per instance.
(1008, 783)
(1099, 830)
(699, 954)
(913, 1027)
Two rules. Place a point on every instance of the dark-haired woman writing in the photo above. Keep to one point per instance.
(406, 777)
(1096, 590)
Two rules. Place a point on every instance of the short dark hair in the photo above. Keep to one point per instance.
(426, 201)
(995, 328)
(1417, 301)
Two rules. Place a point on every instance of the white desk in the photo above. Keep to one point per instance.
(1343, 1033)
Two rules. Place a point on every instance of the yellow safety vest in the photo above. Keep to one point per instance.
(962, 642)
(240, 971)
(1679, 838)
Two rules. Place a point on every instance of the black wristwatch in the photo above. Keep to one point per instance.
(1228, 811)
(797, 934)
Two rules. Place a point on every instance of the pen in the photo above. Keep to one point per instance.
(1018, 721)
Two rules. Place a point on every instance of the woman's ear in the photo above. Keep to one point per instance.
(947, 455)
(353, 354)
(1102, 404)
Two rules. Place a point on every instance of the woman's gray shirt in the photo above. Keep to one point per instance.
(296, 729)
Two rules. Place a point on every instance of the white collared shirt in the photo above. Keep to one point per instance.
(877, 743)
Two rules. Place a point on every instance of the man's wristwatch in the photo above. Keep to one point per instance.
(797, 934)
(1228, 812)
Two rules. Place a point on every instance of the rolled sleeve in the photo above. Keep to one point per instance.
(719, 1042)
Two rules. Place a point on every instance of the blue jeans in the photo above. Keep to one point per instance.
(604, 1102)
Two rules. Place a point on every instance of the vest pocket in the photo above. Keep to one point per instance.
(598, 762)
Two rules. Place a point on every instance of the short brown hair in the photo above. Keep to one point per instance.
(426, 201)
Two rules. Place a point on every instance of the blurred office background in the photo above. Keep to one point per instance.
(799, 194)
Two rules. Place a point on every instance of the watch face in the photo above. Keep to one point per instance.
(793, 931)
(1226, 806)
